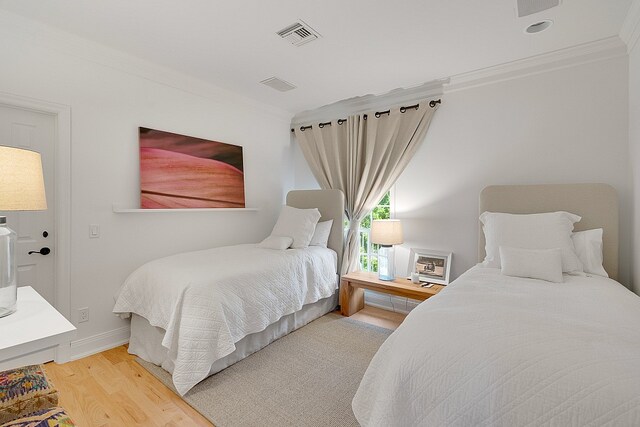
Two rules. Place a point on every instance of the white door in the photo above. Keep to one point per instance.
(34, 131)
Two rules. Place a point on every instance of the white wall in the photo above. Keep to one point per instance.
(108, 103)
(634, 148)
(563, 126)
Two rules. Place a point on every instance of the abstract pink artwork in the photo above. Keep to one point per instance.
(178, 171)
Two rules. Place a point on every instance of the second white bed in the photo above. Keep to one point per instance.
(505, 351)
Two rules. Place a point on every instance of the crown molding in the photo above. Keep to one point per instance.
(599, 50)
(362, 104)
(50, 38)
(630, 31)
(611, 47)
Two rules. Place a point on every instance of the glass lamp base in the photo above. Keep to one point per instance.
(8, 288)
(5, 311)
(386, 263)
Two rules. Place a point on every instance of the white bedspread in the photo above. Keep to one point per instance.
(492, 350)
(209, 300)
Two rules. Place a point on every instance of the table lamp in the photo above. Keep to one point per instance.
(21, 189)
(386, 233)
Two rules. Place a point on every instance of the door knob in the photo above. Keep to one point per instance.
(42, 251)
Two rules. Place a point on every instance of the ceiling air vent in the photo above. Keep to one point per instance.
(529, 7)
(278, 84)
(298, 33)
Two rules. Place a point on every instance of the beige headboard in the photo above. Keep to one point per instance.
(597, 204)
(330, 203)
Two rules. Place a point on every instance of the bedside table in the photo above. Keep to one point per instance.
(36, 333)
(352, 287)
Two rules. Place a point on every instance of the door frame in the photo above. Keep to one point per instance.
(62, 191)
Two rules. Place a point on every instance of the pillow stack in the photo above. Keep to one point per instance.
(298, 229)
(538, 246)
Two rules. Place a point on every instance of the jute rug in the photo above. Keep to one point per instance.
(307, 378)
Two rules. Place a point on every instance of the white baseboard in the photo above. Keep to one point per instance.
(97, 343)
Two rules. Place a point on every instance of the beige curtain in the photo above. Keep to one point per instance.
(363, 157)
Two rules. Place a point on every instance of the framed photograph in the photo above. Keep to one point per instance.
(431, 266)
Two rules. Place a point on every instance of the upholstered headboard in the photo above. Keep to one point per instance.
(597, 204)
(330, 203)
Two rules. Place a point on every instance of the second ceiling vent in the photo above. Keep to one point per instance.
(298, 33)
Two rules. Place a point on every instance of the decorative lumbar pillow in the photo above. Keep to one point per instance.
(25, 390)
(588, 246)
(543, 264)
(532, 231)
(321, 235)
(299, 224)
(276, 242)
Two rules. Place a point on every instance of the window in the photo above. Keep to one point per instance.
(368, 250)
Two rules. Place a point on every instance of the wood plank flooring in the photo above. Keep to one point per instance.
(379, 317)
(111, 389)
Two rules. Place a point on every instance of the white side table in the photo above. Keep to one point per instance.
(35, 333)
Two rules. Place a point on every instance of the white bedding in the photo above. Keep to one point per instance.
(503, 351)
(209, 300)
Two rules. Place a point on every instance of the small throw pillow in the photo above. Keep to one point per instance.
(531, 231)
(276, 242)
(543, 264)
(588, 246)
(321, 235)
(299, 224)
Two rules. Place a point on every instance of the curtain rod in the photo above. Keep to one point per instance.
(432, 104)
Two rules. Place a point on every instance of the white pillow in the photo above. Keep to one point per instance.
(321, 235)
(299, 224)
(588, 246)
(276, 242)
(543, 264)
(533, 231)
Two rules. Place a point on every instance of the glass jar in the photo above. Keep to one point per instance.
(8, 285)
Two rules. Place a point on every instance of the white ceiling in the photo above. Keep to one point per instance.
(367, 46)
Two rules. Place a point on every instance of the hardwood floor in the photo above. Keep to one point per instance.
(111, 389)
(379, 317)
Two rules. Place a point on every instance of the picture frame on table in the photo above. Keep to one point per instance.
(431, 266)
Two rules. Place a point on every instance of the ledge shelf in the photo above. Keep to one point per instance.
(118, 209)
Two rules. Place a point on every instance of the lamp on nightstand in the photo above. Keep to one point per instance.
(21, 189)
(386, 233)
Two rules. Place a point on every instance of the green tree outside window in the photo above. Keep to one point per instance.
(368, 250)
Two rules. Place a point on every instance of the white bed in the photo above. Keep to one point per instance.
(196, 313)
(504, 351)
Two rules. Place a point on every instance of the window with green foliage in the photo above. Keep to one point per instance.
(368, 250)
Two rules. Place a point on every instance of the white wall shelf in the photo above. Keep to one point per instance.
(118, 209)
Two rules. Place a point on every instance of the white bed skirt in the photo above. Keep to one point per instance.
(146, 340)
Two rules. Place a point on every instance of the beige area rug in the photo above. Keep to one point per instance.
(307, 378)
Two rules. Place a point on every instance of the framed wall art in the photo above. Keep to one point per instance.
(181, 172)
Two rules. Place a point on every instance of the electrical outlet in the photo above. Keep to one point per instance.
(83, 315)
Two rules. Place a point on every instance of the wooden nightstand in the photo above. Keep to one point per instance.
(352, 287)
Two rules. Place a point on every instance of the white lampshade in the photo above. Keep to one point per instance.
(386, 232)
(21, 180)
